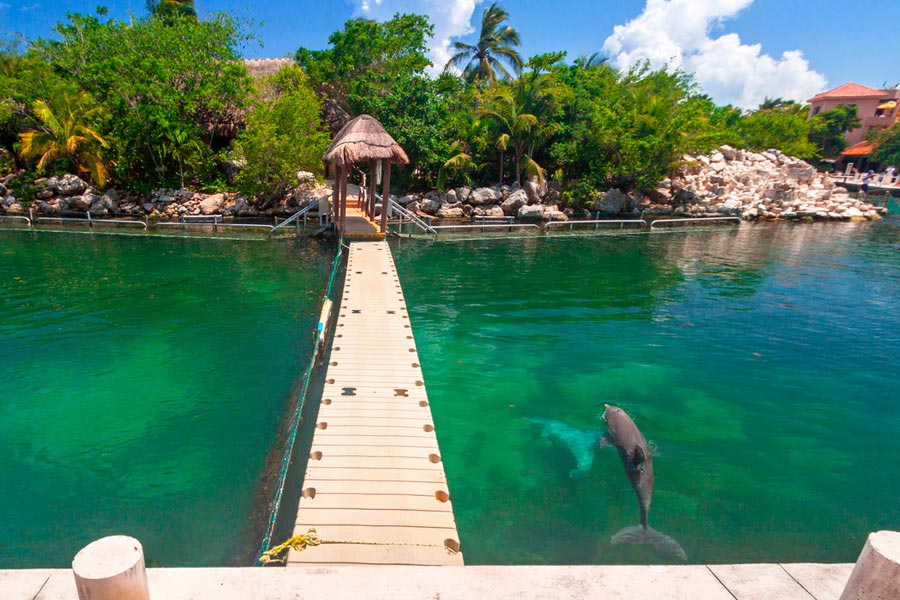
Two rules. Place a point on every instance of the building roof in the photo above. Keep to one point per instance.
(862, 148)
(849, 90)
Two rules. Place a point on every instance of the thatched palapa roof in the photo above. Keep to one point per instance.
(363, 139)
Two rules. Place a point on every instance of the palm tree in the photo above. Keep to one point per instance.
(495, 49)
(591, 62)
(67, 132)
(518, 125)
(502, 144)
(169, 10)
(460, 163)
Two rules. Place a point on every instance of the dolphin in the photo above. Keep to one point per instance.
(637, 459)
(580, 442)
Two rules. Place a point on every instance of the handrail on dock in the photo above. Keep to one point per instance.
(595, 222)
(294, 217)
(660, 222)
(408, 214)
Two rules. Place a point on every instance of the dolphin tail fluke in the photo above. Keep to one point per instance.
(661, 542)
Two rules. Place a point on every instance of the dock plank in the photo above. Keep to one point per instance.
(375, 482)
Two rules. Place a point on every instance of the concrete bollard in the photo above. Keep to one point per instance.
(876, 575)
(111, 568)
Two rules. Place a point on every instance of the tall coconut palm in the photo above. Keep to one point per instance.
(67, 132)
(494, 51)
(169, 10)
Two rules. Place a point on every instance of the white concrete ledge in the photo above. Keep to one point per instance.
(688, 582)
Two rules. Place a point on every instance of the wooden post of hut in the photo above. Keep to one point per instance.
(363, 139)
(373, 188)
(385, 192)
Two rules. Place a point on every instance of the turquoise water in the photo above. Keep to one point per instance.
(763, 363)
(143, 383)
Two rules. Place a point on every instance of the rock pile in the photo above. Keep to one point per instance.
(529, 201)
(755, 186)
(70, 194)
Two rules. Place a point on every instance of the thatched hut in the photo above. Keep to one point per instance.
(363, 139)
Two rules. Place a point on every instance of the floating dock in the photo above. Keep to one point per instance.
(375, 489)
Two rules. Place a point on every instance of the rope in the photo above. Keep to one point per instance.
(295, 424)
(298, 543)
(311, 538)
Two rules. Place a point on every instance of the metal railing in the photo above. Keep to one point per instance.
(486, 226)
(410, 216)
(17, 218)
(296, 216)
(90, 221)
(550, 225)
(661, 222)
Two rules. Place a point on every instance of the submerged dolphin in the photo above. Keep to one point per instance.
(580, 442)
(637, 459)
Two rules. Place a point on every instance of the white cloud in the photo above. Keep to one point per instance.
(451, 18)
(677, 33)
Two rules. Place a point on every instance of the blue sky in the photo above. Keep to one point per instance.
(739, 50)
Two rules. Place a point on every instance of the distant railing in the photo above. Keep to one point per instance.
(666, 222)
(16, 218)
(550, 225)
(486, 226)
(90, 221)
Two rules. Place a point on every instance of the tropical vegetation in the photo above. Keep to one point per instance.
(164, 100)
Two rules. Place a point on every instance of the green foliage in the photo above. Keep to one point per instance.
(827, 129)
(23, 80)
(165, 85)
(887, 145)
(417, 115)
(494, 51)
(629, 132)
(368, 58)
(778, 124)
(68, 132)
(284, 134)
(170, 11)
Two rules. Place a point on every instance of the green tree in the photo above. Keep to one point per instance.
(492, 53)
(170, 10)
(23, 80)
(367, 57)
(778, 124)
(519, 126)
(827, 129)
(284, 134)
(628, 131)
(160, 82)
(67, 132)
(887, 145)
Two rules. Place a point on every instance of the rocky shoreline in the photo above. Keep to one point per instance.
(729, 182)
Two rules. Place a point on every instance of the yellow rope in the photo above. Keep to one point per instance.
(301, 542)
(298, 543)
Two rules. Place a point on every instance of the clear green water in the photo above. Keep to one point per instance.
(763, 363)
(142, 383)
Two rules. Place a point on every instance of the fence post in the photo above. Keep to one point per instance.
(876, 575)
(111, 568)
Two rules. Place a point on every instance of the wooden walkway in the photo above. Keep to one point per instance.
(375, 488)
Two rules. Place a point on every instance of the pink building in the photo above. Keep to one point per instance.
(876, 109)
